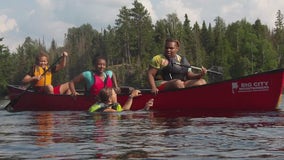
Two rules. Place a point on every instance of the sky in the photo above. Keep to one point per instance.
(50, 19)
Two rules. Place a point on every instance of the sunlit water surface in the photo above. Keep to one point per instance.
(141, 135)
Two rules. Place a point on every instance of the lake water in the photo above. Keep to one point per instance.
(142, 135)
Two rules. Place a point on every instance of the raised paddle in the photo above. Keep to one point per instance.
(198, 68)
(16, 99)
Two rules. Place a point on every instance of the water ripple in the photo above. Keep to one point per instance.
(141, 135)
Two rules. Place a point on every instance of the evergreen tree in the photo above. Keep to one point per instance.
(6, 68)
(174, 26)
(84, 45)
(142, 26)
(160, 35)
(123, 32)
(278, 37)
(187, 36)
(198, 53)
(222, 48)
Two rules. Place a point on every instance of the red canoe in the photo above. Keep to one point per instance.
(257, 92)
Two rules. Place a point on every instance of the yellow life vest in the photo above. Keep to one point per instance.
(46, 79)
(100, 107)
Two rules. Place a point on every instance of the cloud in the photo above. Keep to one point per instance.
(265, 10)
(232, 7)
(180, 7)
(7, 24)
(149, 6)
(231, 12)
(56, 31)
(252, 10)
(46, 5)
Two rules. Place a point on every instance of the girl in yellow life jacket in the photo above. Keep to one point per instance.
(43, 82)
(107, 101)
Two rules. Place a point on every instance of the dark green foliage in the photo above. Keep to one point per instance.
(237, 49)
(5, 64)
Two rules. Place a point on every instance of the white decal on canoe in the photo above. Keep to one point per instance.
(235, 87)
(259, 86)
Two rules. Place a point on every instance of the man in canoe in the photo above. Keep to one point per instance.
(41, 75)
(96, 79)
(170, 70)
(107, 101)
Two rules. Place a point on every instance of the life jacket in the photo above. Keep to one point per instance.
(100, 84)
(174, 69)
(100, 107)
(46, 78)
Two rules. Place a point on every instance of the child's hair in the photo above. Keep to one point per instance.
(41, 54)
(104, 95)
(173, 40)
(96, 59)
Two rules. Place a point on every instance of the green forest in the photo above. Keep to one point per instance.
(236, 49)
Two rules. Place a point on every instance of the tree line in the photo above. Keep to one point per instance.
(236, 49)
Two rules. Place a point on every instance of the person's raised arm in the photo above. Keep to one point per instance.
(62, 63)
(128, 103)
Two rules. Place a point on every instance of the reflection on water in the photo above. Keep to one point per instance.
(148, 135)
(45, 129)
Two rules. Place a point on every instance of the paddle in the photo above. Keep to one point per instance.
(16, 99)
(198, 68)
(211, 71)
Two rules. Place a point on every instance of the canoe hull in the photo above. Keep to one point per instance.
(31, 101)
(223, 96)
(255, 92)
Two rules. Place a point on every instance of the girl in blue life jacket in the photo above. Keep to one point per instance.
(107, 101)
